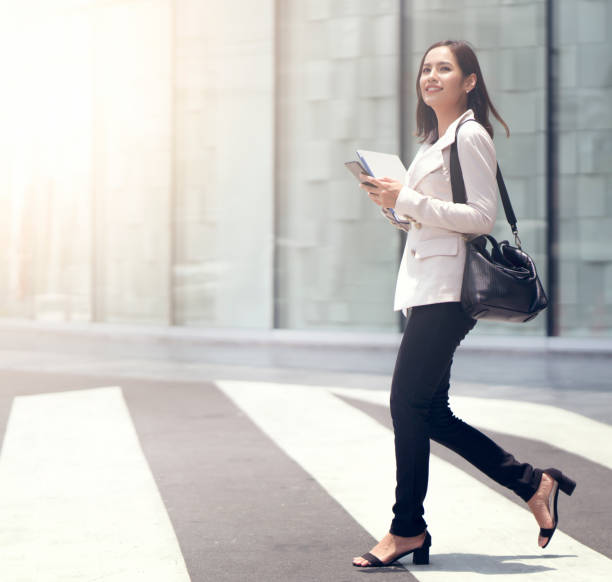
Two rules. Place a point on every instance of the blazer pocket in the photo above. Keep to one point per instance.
(436, 246)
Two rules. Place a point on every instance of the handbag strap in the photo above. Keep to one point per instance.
(458, 186)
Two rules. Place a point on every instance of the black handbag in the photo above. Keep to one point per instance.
(501, 284)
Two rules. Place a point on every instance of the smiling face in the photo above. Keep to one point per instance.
(441, 80)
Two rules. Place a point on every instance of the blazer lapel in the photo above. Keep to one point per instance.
(430, 157)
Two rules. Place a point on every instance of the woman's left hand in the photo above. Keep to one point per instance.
(386, 193)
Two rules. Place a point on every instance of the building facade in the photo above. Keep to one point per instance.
(180, 162)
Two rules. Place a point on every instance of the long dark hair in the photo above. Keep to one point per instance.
(478, 98)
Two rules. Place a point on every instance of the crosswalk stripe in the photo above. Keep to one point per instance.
(475, 530)
(77, 497)
(561, 428)
(325, 436)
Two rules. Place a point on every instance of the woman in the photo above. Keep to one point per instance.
(451, 91)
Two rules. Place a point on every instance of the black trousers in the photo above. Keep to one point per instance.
(420, 412)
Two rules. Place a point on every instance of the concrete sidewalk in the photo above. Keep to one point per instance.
(572, 374)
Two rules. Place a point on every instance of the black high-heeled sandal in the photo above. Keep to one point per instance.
(420, 556)
(567, 486)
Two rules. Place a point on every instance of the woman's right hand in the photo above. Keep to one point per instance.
(386, 190)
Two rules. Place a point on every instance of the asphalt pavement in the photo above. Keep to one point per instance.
(156, 468)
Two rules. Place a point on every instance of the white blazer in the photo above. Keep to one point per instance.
(431, 269)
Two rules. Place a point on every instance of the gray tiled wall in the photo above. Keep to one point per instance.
(223, 222)
(337, 258)
(585, 180)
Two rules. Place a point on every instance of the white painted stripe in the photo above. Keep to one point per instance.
(561, 428)
(77, 497)
(476, 532)
(325, 436)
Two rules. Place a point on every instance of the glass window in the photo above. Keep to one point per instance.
(584, 44)
(336, 255)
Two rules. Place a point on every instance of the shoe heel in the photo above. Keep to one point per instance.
(566, 484)
(421, 556)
